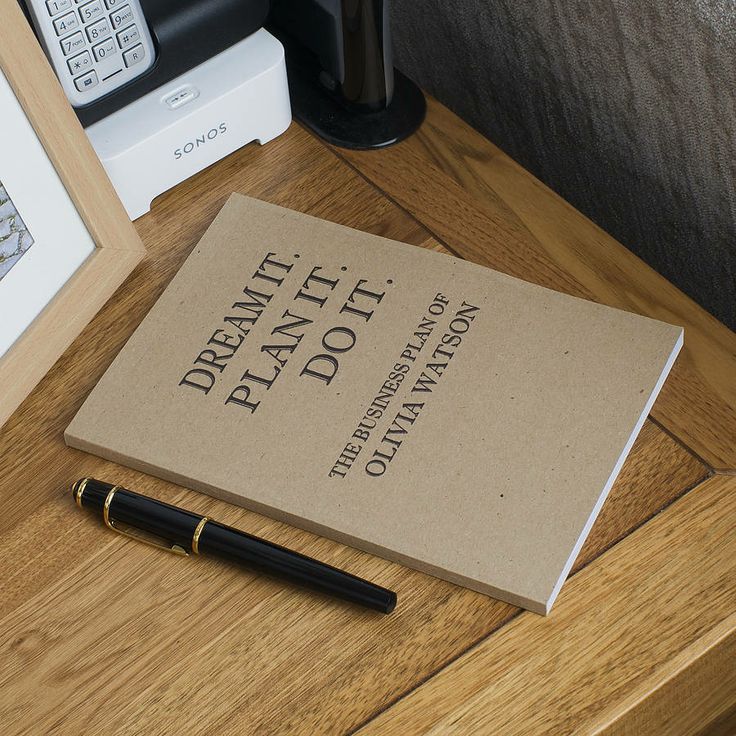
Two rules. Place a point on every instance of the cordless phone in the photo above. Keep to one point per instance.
(95, 46)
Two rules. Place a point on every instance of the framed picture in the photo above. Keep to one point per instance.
(66, 243)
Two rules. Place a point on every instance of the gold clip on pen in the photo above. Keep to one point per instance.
(183, 532)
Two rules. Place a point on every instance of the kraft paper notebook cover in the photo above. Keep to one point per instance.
(417, 406)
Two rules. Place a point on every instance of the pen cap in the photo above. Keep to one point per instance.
(158, 519)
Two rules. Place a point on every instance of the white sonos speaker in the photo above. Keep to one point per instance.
(236, 97)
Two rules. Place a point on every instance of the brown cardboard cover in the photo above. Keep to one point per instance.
(423, 408)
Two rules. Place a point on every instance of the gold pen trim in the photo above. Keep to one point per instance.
(137, 534)
(106, 508)
(79, 490)
(197, 534)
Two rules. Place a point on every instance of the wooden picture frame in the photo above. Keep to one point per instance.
(117, 247)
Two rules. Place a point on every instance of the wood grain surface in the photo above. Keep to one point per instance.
(700, 694)
(99, 634)
(486, 208)
(533, 675)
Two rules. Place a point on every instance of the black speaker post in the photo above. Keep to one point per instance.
(342, 81)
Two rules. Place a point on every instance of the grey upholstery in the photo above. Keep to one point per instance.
(627, 109)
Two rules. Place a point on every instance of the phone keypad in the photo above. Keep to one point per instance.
(134, 55)
(121, 17)
(96, 41)
(91, 11)
(66, 23)
(105, 49)
(72, 43)
(58, 6)
(128, 37)
(97, 31)
(86, 81)
(80, 63)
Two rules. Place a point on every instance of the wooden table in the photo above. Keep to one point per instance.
(101, 635)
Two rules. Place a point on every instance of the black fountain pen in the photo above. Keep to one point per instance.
(183, 532)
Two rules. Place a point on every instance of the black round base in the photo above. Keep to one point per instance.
(315, 108)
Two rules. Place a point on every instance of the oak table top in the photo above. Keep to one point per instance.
(101, 635)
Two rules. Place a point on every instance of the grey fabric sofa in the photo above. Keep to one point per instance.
(628, 110)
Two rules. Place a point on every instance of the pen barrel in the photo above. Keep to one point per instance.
(243, 549)
(196, 533)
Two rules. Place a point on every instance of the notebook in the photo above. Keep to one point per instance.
(429, 410)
